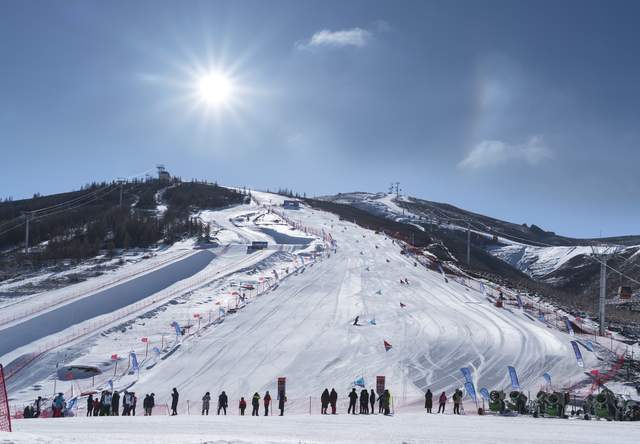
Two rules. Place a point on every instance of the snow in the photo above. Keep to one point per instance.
(410, 428)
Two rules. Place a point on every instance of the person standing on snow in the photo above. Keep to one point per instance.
(134, 402)
(106, 405)
(242, 405)
(174, 402)
(386, 402)
(223, 401)
(443, 402)
(457, 400)
(364, 402)
(324, 402)
(267, 401)
(90, 405)
(125, 403)
(282, 398)
(353, 399)
(115, 403)
(372, 401)
(333, 400)
(255, 403)
(38, 406)
(206, 400)
(96, 406)
(428, 400)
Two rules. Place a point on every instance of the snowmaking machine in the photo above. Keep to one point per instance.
(547, 404)
(517, 402)
(496, 401)
(606, 405)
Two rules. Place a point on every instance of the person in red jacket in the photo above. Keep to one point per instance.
(242, 405)
(267, 401)
(443, 402)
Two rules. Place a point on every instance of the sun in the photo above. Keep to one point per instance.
(215, 89)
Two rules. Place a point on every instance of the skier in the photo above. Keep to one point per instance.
(174, 402)
(356, 321)
(58, 406)
(266, 400)
(282, 398)
(457, 400)
(333, 400)
(222, 402)
(372, 401)
(255, 403)
(206, 400)
(443, 401)
(324, 402)
(242, 405)
(353, 398)
(90, 405)
(364, 402)
(428, 400)
(115, 403)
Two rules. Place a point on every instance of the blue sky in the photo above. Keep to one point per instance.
(526, 111)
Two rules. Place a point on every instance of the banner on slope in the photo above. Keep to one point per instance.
(483, 289)
(466, 372)
(547, 377)
(485, 393)
(282, 387)
(471, 390)
(5, 415)
(515, 384)
(576, 351)
(444, 276)
(519, 299)
(134, 362)
(567, 323)
(380, 384)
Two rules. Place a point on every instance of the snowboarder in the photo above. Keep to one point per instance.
(333, 400)
(174, 402)
(364, 402)
(223, 402)
(457, 400)
(266, 400)
(428, 400)
(443, 401)
(372, 401)
(353, 398)
(90, 405)
(255, 403)
(115, 403)
(282, 398)
(324, 401)
(242, 405)
(206, 401)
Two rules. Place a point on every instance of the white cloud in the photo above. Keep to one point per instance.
(356, 37)
(490, 153)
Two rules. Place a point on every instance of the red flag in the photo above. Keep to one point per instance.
(402, 305)
(387, 346)
(145, 340)
(114, 357)
(197, 315)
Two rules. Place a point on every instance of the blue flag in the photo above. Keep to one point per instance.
(485, 393)
(578, 354)
(547, 377)
(471, 390)
(359, 382)
(541, 317)
(466, 372)
(515, 384)
(134, 362)
(221, 312)
(568, 325)
(372, 322)
(156, 350)
(590, 346)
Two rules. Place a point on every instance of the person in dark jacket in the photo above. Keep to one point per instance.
(39, 406)
(353, 399)
(442, 402)
(364, 402)
(372, 401)
(206, 401)
(243, 405)
(115, 403)
(428, 400)
(282, 398)
(90, 405)
(324, 402)
(223, 401)
(333, 400)
(148, 404)
(457, 401)
(385, 402)
(96, 406)
(174, 401)
(266, 400)
(255, 403)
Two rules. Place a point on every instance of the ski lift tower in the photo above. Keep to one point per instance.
(602, 255)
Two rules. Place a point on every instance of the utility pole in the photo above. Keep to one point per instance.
(121, 182)
(27, 216)
(468, 243)
(603, 291)
(395, 188)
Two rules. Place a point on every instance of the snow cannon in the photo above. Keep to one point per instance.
(496, 401)
(631, 411)
(552, 404)
(604, 405)
(517, 401)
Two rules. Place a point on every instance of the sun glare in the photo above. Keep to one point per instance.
(215, 89)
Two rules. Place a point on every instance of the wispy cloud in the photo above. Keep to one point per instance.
(491, 153)
(355, 37)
